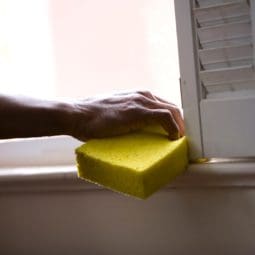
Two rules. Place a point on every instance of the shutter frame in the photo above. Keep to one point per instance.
(252, 3)
(225, 109)
(233, 40)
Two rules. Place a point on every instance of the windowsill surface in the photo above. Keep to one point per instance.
(64, 178)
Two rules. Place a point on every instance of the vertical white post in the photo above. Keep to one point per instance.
(252, 2)
(190, 89)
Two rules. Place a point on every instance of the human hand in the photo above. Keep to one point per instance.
(122, 113)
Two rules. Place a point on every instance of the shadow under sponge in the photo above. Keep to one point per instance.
(136, 164)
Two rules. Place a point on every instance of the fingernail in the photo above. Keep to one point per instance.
(175, 136)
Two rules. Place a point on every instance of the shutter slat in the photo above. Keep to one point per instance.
(232, 63)
(227, 42)
(222, 13)
(234, 88)
(227, 75)
(216, 4)
(232, 33)
(216, 58)
(209, 3)
(217, 21)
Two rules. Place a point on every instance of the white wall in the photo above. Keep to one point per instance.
(191, 221)
(79, 48)
(104, 46)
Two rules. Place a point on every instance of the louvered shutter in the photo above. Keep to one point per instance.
(219, 35)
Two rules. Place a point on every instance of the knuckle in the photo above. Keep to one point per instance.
(144, 92)
(167, 114)
(138, 98)
(176, 110)
(131, 108)
(163, 115)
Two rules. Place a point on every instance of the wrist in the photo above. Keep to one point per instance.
(75, 118)
(64, 114)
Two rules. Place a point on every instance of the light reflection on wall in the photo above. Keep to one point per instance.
(81, 48)
(26, 57)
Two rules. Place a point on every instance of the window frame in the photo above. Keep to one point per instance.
(252, 4)
(190, 93)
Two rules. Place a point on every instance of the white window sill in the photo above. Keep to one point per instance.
(64, 178)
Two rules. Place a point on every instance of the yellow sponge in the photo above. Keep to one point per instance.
(137, 164)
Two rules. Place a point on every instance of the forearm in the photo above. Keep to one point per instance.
(87, 119)
(26, 117)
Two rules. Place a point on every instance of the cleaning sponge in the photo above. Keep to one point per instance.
(137, 164)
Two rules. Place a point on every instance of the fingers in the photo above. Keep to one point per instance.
(150, 101)
(144, 104)
(177, 115)
(166, 120)
(144, 116)
(139, 116)
(149, 95)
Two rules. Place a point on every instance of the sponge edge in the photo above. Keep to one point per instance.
(136, 164)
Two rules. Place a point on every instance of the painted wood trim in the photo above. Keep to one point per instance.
(190, 90)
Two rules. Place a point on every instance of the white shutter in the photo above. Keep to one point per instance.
(222, 42)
